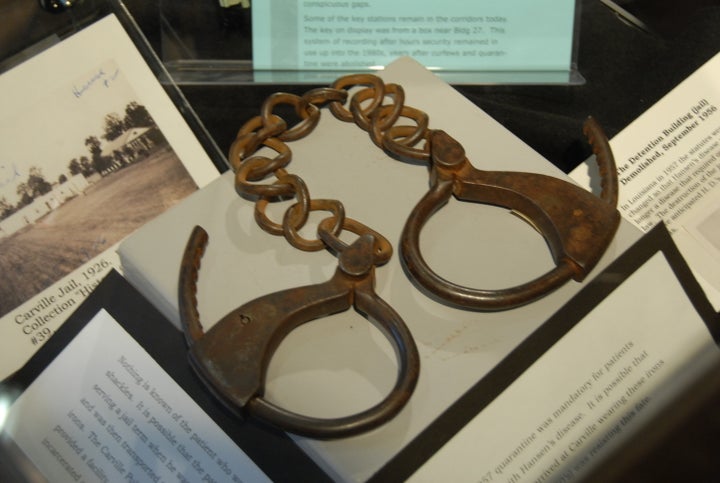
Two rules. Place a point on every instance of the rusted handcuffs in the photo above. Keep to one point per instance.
(233, 356)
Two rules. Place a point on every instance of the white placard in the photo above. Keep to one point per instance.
(104, 410)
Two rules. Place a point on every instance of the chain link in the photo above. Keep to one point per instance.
(374, 106)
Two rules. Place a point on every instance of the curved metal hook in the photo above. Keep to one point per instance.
(577, 226)
(233, 356)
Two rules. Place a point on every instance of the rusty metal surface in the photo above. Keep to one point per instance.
(233, 356)
(576, 225)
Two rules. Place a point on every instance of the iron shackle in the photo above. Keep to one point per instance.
(232, 357)
(577, 225)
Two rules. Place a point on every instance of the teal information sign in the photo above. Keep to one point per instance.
(454, 35)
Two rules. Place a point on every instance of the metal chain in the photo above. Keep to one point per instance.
(375, 107)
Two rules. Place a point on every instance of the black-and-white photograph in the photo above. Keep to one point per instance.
(82, 167)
